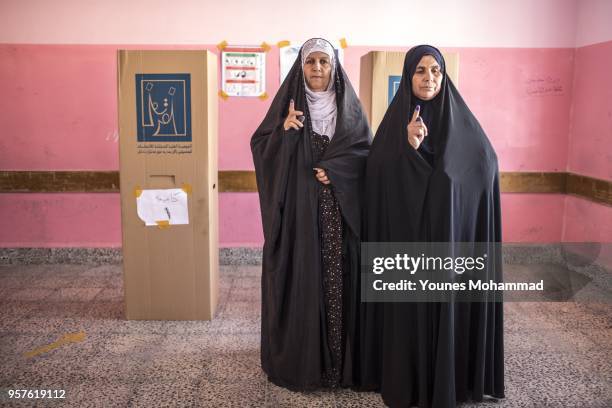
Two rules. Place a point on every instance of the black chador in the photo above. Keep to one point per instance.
(432, 354)
(312, 236)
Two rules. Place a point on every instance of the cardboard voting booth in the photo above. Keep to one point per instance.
(380, 75)
(168, 170)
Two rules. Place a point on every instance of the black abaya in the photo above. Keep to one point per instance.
(296, 351)
(432, 354)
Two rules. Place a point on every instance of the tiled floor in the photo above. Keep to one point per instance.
(557, 354)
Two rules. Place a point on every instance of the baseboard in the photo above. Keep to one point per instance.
(513, 253)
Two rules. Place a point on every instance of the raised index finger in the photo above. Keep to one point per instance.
(415, 115)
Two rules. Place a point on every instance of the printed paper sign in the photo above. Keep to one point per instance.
(243, 71)
(287, 58)
(159, 207)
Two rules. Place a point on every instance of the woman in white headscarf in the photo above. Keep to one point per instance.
(309, 154)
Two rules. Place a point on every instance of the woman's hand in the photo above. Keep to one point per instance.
(292, 120)
(417, 131)
(321, 175)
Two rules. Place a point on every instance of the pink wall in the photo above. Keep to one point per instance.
(521, 96)
(59, 107)
(60, 220)
(532, 217)
(60, 103)
(94, 220)
(60, 110)
(240, 220)
(586, 221)
(590, 151)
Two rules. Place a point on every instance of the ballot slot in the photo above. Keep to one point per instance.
(159, 181)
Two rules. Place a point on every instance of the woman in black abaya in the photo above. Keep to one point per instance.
(309, 154)
(432, 176)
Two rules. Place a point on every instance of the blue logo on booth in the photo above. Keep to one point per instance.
(163, 107)
(394, 81)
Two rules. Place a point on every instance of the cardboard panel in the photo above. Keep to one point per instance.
(168, 140)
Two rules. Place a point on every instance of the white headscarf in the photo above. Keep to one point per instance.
(321, 105)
